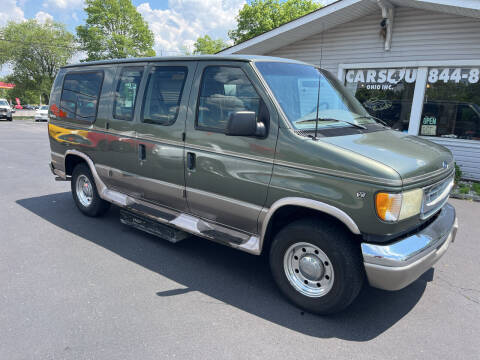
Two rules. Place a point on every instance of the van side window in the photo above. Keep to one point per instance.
(223, 91)
(126, 92)
(80, 94)
(163, 94)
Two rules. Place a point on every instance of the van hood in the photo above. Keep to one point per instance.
(412, 157)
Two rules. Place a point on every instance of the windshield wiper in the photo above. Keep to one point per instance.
(374, 118)
(331, 119)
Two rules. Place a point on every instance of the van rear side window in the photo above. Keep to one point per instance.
(163, 94)
(80, 94)
(126, 93)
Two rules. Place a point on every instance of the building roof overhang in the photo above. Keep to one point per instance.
(338, 13)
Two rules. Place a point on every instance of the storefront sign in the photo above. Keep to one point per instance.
(381, 79)
(429, 126)
(453, 75)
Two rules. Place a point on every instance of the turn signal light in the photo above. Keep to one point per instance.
(394, 207)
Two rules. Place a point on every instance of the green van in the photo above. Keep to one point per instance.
(261, 154)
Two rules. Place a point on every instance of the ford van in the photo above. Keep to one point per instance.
(262, 154)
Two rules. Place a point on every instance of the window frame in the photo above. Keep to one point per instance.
(117, 82)
(150, 71)
(98, 94)
(216, 130)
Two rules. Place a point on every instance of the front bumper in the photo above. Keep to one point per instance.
(396, 265)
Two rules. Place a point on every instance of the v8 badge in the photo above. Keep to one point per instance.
(361, 194)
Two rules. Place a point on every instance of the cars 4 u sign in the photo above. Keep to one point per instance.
(381, 79)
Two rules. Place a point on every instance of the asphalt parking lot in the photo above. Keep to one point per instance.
(74, 287)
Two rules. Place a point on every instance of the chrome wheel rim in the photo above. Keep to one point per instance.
(84, 190)
(308, 269)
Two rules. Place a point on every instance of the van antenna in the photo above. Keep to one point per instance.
(319, 82)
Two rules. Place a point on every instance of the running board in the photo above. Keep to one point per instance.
(152, 227)
(174, 226)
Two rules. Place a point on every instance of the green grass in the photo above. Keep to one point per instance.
(476, 188)
(464, 189)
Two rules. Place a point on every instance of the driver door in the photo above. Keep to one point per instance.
(227, 177)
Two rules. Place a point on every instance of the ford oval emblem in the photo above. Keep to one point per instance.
(444, 164)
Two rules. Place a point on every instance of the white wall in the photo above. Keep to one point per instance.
(417, 35)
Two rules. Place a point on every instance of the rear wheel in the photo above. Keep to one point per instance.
(85, 192)
(316, 265)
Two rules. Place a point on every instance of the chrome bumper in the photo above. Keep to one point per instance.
(396, 265)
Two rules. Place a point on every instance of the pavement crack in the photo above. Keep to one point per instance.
(460, 290)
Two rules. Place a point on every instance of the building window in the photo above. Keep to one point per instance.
(451, 107)
(80, 94)
(224, 90)
(163, 94)
(385, 93)
(126, 93)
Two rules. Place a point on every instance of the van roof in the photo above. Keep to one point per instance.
(246, 58)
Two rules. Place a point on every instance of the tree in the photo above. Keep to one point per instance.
(114, 29)
(35, 52)
(207, 45)
(264, 15)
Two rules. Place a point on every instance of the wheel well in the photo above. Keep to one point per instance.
(71, 161)
(290, 213)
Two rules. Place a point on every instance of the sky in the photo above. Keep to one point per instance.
(176, 24)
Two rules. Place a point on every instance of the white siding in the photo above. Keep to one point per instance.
(466, 154)
(418, 35)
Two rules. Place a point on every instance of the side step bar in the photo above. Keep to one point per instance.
(174, 226)
(152, 227)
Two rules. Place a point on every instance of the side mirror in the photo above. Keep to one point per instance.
(244, 123)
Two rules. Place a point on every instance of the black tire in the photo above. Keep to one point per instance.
(98, 206)
(344, 255)
(10, 119)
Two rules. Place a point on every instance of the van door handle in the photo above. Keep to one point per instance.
(191, 161)
(142, 153)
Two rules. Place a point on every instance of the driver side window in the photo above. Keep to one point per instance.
(224, 90)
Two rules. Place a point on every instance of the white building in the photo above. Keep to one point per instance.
(413, 63)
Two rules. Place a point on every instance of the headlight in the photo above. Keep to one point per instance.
(394, 207)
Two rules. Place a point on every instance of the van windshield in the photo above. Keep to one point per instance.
(296, 88)
(3, 103)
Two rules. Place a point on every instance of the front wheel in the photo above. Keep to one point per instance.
(10, 118)
(316, 265)
(85, 192)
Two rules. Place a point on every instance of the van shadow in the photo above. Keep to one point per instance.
(227, 275)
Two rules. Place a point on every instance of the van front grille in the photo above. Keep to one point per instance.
(435, 196)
